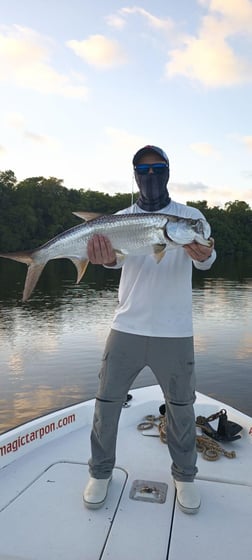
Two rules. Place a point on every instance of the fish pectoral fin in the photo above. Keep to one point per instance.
(32, 276)
(159, 251)
(81, 266)
(87, 216)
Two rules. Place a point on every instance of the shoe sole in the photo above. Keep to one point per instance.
(94, 505)
(185, 509)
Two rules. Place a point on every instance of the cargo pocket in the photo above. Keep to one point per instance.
(182, 384)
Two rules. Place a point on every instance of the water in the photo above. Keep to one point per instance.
(51, 347)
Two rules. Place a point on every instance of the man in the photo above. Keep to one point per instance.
(154, 320)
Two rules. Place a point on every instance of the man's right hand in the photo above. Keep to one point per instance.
(100, 251)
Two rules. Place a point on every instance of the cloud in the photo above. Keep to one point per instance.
(191, 188)
(247, 140)
(247, 174)
(40, 139)
(166, 24)
(2, 150)
(209, 56)
(17, 121)
(25, 60)
(115, 147)
(124, 140)
(99, 51)
(236, 14)
(204, 149)
(214, 195)
(115, 21)
(212, 64)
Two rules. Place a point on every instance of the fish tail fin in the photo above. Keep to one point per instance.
(33, 273)
(20, 256)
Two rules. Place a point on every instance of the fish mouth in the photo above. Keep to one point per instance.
(203, 228)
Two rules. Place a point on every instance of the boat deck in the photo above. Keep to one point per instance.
(44, 470)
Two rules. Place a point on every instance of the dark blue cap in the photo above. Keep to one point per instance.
(147, 149)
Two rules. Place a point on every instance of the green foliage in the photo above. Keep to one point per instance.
(36, 209)
(231, 226)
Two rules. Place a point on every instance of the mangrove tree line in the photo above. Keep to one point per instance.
(36, 209)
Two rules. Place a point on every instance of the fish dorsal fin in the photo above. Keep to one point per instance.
(81, 266)
(159, 251)
(87, 216)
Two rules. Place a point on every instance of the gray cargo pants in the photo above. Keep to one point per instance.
(172, 362)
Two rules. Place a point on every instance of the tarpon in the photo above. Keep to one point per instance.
(129, 234)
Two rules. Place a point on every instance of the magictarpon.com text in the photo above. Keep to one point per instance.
(15, 444)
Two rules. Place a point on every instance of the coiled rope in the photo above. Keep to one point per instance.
(210, 449)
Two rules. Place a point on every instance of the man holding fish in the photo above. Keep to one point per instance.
(152, 327)
(154, 242)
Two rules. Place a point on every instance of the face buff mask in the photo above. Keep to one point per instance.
(153, 190)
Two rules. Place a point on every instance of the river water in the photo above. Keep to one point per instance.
(51, 347)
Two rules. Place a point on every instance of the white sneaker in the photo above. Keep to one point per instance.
(188, 496)
(95, 492)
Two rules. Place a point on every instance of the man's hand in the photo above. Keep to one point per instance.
(100, 251)
(199, 252)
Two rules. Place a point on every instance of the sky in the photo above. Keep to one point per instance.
(85, 84)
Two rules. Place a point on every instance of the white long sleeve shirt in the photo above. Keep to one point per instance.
(156, 299)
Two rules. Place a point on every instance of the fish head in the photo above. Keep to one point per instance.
(185, 230)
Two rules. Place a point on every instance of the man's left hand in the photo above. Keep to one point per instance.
(199, 252)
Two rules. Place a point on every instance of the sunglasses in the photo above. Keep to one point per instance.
(144, 168)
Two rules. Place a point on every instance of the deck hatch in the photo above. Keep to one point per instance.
(48, 520)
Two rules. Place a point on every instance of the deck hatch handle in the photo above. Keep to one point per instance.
(149, 491)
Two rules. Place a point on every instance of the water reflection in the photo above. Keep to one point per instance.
(50, 347)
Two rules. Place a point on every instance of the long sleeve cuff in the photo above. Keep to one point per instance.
(205, 265)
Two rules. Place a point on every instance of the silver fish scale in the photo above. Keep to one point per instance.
(129, 233)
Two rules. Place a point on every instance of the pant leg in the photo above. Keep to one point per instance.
(123, 359)
(172, 362)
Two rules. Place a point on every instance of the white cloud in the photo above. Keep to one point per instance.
(214, 195)
(209, 56)
(41, 139)
(18, 122)
(204, 149)
(15, 120)
(25, 61)
(115, 21)
(99, 51)
(237, 14)
(115, 148)
(191, 188)
(123, 140)
(212, 63)
(166, 24)
(247, 140)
